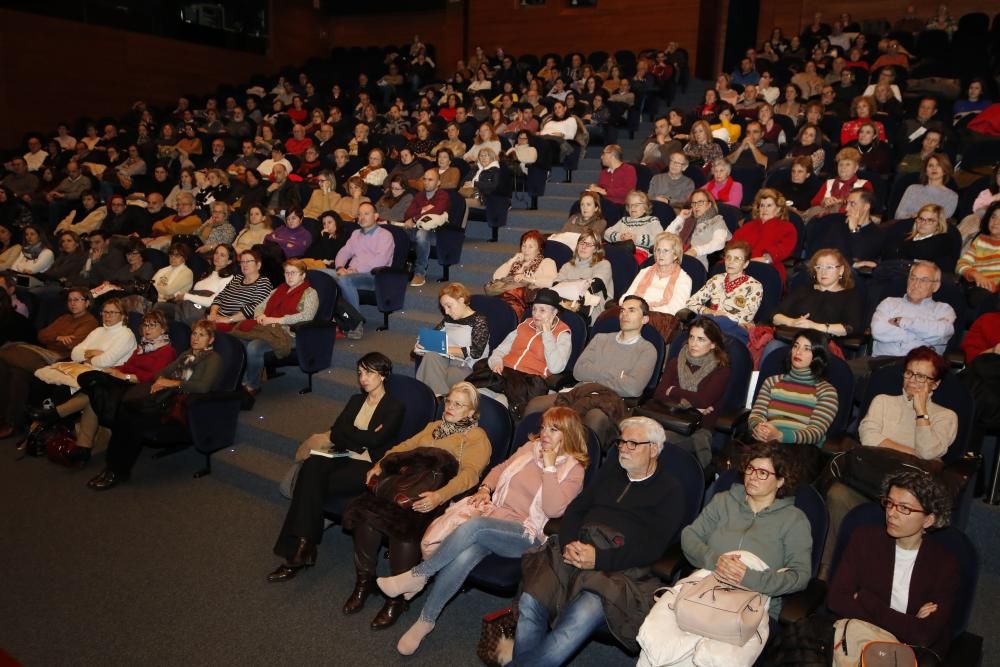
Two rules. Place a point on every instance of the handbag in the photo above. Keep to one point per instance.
(683, 421)
(859, 643)
(496, 639)
(403, 478)
(720, 611)
(498, 286)
(864, 468)
(59, 448)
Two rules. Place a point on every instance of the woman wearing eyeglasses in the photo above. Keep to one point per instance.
(759, 516)
(324, 197)
(459, 438)
(909, 422)
(101, 392)
(700, 226)
(931, 239)
(896, 579)
(586, 280)
(238, 299)
(831, 304)
(508, 517)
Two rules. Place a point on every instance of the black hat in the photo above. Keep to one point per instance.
(546, 297)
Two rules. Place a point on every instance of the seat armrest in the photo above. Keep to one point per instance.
(388, 270)
(671, 565)
(314, 324)
(956, 358)
(797, 606)
(727, 419)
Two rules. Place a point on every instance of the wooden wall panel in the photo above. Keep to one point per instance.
(53, 70)
(612, 25)
(793, 15)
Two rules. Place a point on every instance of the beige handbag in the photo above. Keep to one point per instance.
(719, 611)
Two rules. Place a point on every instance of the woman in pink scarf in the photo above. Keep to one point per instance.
(509, 513)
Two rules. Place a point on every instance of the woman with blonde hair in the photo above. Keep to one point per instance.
(585, 281)
(347, 207)
(830, 304)
(638, 225)
(440, 372)
(664, 285)
(258, 226)
(772, 238)
(507, 516)
(590, 217)
(700, 148)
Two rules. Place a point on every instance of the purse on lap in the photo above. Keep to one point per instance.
(720, 611)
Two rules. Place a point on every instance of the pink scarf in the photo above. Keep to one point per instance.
(535, 523)
(668, 291)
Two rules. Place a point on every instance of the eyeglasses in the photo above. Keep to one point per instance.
(919, 378)
(889, 504)
(762, 474)
(934, 220)
(629, 445)
(449, 403)
(587, 244)
(923, 281)
(699, 202)
(826, 267)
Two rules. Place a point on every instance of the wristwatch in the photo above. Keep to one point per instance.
(927, 417)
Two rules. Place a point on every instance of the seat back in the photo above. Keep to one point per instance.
(951, 538)
(685, 469)
(496, 420)
(180, 335)
(663, 212)
(419, 400)
(560, 253)
(611, 325)
(951, 394)
(770, 281)
(623, 266)
(732, 215)
(499, 315)
(233, 361)
(326, 289)
(643, 175)
(751, 178)
(696, 270)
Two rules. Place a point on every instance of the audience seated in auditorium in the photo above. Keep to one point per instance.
(441, 372)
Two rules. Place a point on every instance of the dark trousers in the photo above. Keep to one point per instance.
(134, 424)
(319, 479)
(403, 554)
(17, 367)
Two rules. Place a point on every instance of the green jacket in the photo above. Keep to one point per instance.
(779, 535)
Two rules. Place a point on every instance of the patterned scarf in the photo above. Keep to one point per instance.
(146, 345)
(730, 287)
(186, 364)
(32, 251)
(445, 428)
(520, 266)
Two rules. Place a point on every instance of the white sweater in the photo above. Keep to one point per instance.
(171, 280)
(116, 343)
(211, 283)
(34, 266)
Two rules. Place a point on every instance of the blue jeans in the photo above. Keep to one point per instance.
(422, 239)
(461, 551)
(256, 351)
(536, 646)
(350, 284)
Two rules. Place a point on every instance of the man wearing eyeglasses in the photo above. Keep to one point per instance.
(914, 319)
(672, 185)
(597, 572)
(617, 178)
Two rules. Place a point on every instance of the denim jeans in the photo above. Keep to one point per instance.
(350, 284)
(536, 646)
(256, 351)
(422, 239)
(461, 551)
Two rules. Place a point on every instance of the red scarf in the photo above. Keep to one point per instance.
(722, 194)
(283, 301)
(730, 286)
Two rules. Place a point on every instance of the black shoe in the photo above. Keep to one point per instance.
(77, 457)
(390, 613)
(363, 587)
(305, 556)
(106, 480)
(45, 415)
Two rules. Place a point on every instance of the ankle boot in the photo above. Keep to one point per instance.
(304, 556)
(363, 586)
(389, 613)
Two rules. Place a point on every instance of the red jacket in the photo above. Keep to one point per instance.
(440, 203)
(145, 367)
(982, 335)
(775, 237)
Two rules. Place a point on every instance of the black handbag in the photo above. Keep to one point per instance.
(683, 421)
(864, 468)
(497, 637)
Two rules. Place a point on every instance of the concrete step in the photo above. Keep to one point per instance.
(252, 470)
(565, 189)
(556, 203)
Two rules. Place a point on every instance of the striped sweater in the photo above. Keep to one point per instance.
(982, 255)
(801, 407)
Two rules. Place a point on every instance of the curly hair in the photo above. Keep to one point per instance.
(786, 464)
(926, 489)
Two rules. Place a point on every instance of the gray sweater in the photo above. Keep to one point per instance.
(779, 535)
(624, 368)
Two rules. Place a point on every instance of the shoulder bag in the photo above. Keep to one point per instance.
(720, 611)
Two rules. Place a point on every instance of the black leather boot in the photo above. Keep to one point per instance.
(363, 586)
(389, 613)
(304, 556)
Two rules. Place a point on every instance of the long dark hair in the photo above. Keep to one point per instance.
(818, 340)
(714, 334)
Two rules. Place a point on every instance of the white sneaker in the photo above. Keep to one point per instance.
(418, 281)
